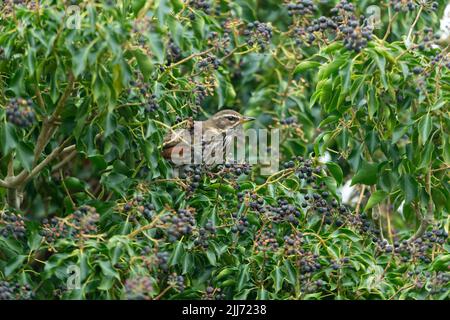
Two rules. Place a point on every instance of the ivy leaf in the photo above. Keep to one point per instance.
(366, 174)
(336, 172)
(425, 126)
(278, 279)
(409, 187)
(25, 155)
(376, 197)
(8, 138)
(14, 264)
(243, 277)
(305, 65)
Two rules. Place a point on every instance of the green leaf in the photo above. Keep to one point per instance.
(278, 279)
(376, 198)
(144, 62)
(409, 187)
(8, 138)
(305, 65)
(366, 174)
(25, 155)
(108, 270)
(425, 126)
(326, 70)
(335, 171)
(373, 104)
(177, 254)
(12, 266)
(211, 257)
(244, 277)
(291, 272)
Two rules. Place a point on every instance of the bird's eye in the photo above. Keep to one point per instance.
(231, 118)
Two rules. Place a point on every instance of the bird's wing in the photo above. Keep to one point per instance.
(174, 137)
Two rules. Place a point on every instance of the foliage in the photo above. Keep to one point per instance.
(84, 112)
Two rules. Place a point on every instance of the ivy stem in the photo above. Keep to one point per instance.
(408, 39)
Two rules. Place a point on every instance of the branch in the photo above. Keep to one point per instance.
(198, 54)
(48, 128)
(360, 199)
(55, 153)
(12, 196)
(24, 176)
(3, 184)
(429, 216)
(64, 161)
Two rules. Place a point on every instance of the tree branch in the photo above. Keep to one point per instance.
(65, 160)
(3, 184)
(12, 197)
(429, 216)
(24, 176)
(48, 127)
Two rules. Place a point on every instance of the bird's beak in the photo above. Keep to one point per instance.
(247, 119)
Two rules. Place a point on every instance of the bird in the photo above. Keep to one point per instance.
(204, 141)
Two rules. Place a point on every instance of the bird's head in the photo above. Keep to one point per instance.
(226, 120)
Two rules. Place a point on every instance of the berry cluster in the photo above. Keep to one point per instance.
(421, 248)
(85, 220)
(255, 202)
(81, 223)
(293, 244)
(205, 234)
(330, 210)
(209, 63)
(428, 38)
(441, 60)
(301, 8)
(308, 263)
(162, 260)
(288, 121)
(10, 291)
(193, 175)
(202, 5)
(403, 5)
(258, 33)
(19, 112)
(151, 105)
(55, 229)
(312, 286)
(176, 282)
(212, 293)
(8, 5)
(229, 170)
(439, 282)
(356, 36)
(179, 224)
(266, 242)
(241, 224)
(139, 288)
(283, 211)
(305, 169)
(435, 283)
(142, 91)
(339, 264)
(144, 207)
(158, 259)
(200, 94)
(321, 26)
(173, 52)
(12, 225)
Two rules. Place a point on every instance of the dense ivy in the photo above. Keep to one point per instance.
(89, 89)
